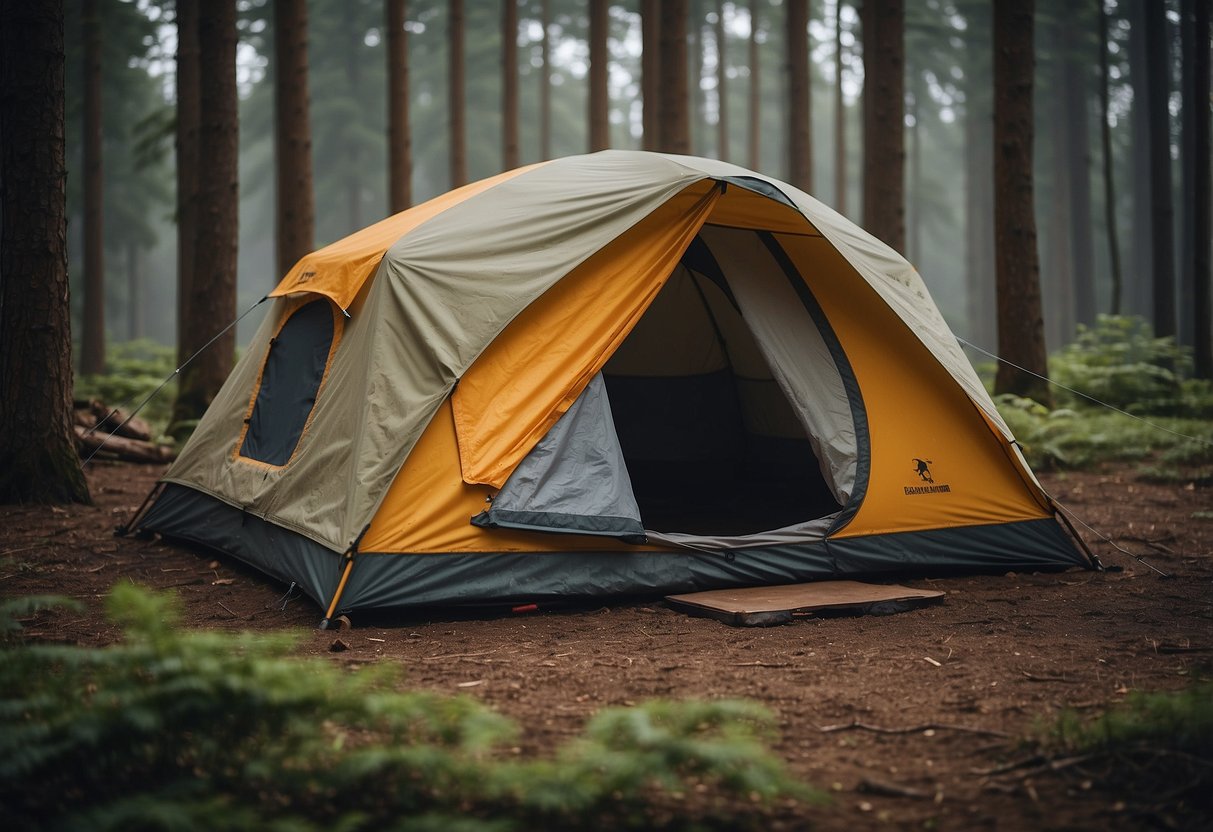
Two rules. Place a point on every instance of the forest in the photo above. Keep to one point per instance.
(1043, 168)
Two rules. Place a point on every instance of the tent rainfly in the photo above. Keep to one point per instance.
(620, 373)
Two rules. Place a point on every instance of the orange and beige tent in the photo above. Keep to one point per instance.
(609, 374)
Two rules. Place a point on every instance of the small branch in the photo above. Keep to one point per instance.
(915, 729)
(880, 787)
(760, 664)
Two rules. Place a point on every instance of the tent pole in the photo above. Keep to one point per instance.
(345, 576)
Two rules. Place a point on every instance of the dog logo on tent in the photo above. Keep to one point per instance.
(923, 469)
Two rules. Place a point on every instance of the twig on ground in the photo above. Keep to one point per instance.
(914, 729)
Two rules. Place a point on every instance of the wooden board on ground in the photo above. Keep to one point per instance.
(763, 606)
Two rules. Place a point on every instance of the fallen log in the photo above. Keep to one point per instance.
(95, 415)
(121, 447)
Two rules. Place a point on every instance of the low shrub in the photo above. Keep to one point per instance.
(172, 729)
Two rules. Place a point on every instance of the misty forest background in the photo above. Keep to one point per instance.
(737, 64)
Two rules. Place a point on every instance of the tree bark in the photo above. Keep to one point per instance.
(1109, 179)
(295, 203)
(1139, 291)
(1076, 94)
(840, 118)
(1197, 228)
(800, 138)
(722, 86)
(754, 140)
(674, 128)
(38, 460)
(134, 291)
(650, 67)
(92, 340)
(979, 177)
(545, 82)
(884, 154)
(510, 154)
(212, 301)
(599, 115)
(914, 172)
(1021, 339)
(188, 115)
(456, 94)
(400, 136)
(1161, 213)
(1057, 274)
(695, 110)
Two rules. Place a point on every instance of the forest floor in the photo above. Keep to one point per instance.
(904, 719)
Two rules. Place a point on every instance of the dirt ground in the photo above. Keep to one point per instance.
(903, 718)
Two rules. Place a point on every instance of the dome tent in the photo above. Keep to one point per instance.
(625, 372)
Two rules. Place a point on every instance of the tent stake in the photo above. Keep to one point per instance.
(345, 576)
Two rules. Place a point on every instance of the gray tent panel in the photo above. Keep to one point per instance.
(574, 481)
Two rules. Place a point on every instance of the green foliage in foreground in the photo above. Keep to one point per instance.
(1178, 722)
(197, 730)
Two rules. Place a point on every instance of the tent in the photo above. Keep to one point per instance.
(617, 373)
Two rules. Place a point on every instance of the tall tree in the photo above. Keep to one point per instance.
(674, 129)
(212, 300)
(884, 152)
(38, 460)
(800, 138)
(1139, 290)
(1197, 229)
(1075, 63)
(295, 210)
(188, 116)
(722, 86)
(1109, 180)
(400, 138)
(600, 124)
(510, 153)
(978, 166)
(650, 69)
(1057, 278)
(840, 118)
(1158, 122)
(456, 94)
(92, 342)
(545, 81)
(1021, 338)
(754, 139)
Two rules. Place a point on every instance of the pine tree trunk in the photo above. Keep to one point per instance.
(979, 176)
(1056, 273)
(545, 83)
(914, 187)
(1109, 180)
(134, 292)
(294, 198)
(840, 118)
(400, 136)
(674, 127)
(1076, 95)
(510, 154)
(92, 340)
(722, 86)
(212, 301)
(1020, 323)
(455, 94)
(599, 115)
(188, 69)
(353, 147)
(800, 139)
(754, 140)
(1140, 298)
(884, 154)
(38, 459)
(1197, 227)
(1161, 212)
(650, 67)
(694, 75)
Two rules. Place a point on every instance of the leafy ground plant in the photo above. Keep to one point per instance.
(1155, 752)
(173, 729)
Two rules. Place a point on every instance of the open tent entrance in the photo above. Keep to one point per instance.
(712, 444)
(722, 415)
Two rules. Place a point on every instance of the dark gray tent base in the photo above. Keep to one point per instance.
(401, 580)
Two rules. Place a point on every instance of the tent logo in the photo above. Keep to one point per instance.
(305, 277)
(922, 467)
